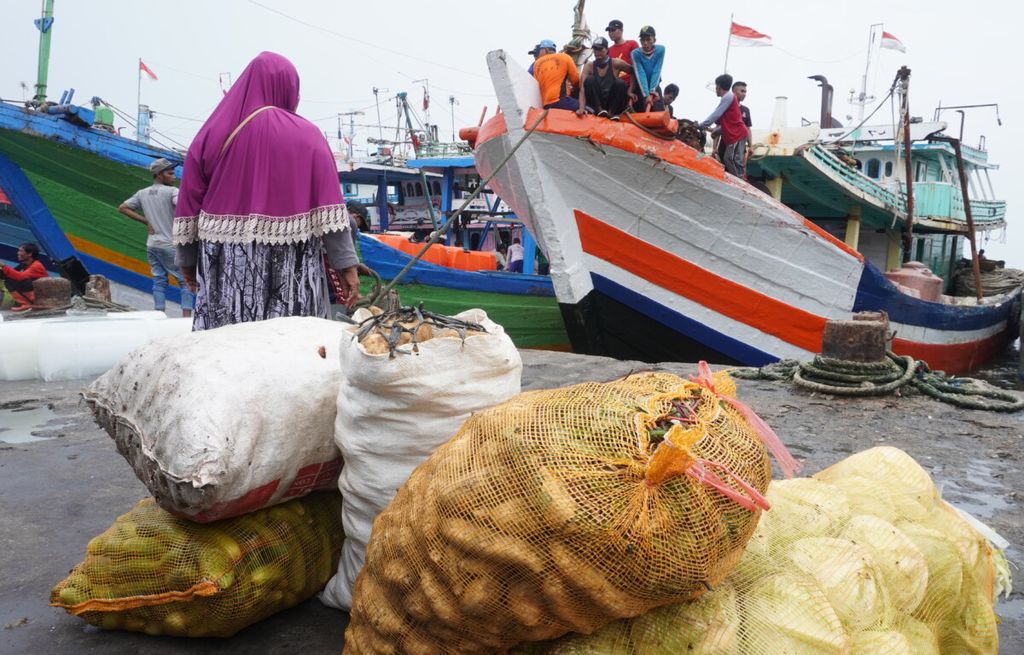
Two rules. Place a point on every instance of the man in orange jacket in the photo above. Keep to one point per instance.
(19, 280)
(555, 73)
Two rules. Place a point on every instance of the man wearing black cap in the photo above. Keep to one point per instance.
(600, 87)
(622, 50)
(157, 205)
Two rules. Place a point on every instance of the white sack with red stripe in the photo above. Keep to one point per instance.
(223, 422)
(394, 412)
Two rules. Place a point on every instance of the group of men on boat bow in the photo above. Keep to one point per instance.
(625, 76)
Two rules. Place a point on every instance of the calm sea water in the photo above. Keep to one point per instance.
(1003, 370)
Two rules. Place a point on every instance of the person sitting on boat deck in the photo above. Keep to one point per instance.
(20, 279)
(515, 257)
(157, 203)
(734, 133)
(622, 49)
(669, 96)
(601, 89)
(647, 63)
(554, 71)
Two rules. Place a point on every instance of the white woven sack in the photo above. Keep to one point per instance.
(393, 413)
(223, 422)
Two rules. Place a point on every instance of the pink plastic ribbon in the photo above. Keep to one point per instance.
(771, 441)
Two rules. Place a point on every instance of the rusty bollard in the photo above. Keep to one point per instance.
(98, 288)
(51, 292)
(863, 339)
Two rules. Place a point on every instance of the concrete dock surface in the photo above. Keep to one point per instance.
(58, 492)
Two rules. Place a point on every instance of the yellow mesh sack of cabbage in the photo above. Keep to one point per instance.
(152, 572)
(863, 558)
(562, 510)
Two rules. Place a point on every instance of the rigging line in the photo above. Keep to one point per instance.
(444, 88)
(819, 61)
(132, 123)
(375, 46)
(868, 117)
(335, 102)
(184, 72)
(184, 118)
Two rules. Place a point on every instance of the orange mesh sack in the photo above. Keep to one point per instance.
(871, 562)
(562, 510)
(154, 573)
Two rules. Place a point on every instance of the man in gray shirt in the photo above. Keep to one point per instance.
(157, 204)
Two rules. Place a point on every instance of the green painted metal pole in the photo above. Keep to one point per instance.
(45, 23)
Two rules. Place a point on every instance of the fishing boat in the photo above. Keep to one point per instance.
(410, 201)
(65, 172)
(657, 254)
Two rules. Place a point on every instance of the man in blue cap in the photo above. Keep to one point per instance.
(555, 73)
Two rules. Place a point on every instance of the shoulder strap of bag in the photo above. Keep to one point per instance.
(231, 137)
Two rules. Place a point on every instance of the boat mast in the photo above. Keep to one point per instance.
(44, 23)
(863, 98)
(579, 47)
(728, 42)
(903, 88)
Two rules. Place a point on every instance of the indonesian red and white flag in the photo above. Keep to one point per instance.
(742, 35)
(145, 69)
(891, 42)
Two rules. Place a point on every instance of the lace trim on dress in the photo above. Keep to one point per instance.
(274, 230)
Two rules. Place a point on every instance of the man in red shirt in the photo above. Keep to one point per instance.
(622, 49)
(19, 280)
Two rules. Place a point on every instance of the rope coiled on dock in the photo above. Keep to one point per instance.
(862, 379)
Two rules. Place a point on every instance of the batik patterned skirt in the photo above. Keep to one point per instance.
(239, 283)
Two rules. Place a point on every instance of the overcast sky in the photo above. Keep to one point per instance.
(959, 54)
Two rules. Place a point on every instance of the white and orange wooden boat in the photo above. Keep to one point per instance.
(656, 254)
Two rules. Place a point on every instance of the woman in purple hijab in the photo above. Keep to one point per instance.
(259, 203)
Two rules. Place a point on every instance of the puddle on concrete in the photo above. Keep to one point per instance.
(981, 495)
(1010, 609)
(19, 424)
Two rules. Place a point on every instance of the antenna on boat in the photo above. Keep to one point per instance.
(451, 103)
(43, 23)
(376, 101)
(351, 129)
(863, 98)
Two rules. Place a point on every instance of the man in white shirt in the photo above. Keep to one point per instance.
(157, 204)
(515, 257)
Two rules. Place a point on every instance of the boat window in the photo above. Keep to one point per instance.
(921, 173)
(348, 189)
(437, 187)
(419, 189)
(888, 169)
(874, 167)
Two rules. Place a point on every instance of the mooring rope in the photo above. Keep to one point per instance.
(861, 379)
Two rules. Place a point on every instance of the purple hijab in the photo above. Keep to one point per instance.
(277, 181)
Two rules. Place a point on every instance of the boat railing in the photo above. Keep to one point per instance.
(835, 168)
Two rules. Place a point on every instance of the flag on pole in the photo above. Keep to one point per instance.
(891, 42)
(426, 99)
(145, 69)
(741, 35)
